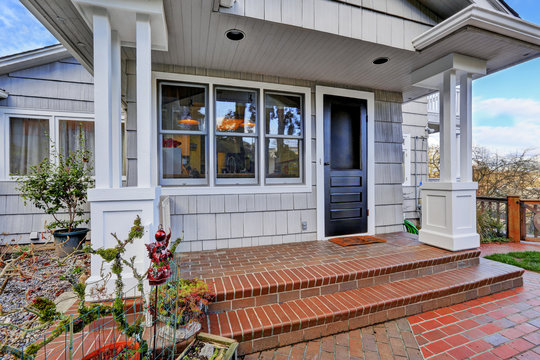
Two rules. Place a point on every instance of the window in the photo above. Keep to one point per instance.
(183, 134)
(217, 133)
(236, 136)
(72, 134)
(28, 143)
(284, 134)
(406, 160)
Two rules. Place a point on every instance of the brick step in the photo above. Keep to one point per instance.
(265, 327)
(277, 286)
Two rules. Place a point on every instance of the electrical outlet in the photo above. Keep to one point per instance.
(304, 225)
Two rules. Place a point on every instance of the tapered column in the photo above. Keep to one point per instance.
(448, 146)
(116, 101)
(465, 119)
(103, 103)
(145, 175)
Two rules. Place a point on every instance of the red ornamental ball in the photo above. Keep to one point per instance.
(161, 235)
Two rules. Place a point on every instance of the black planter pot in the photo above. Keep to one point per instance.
(67, 242)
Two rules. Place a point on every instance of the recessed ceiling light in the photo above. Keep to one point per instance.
(235, 34)
(380, 60)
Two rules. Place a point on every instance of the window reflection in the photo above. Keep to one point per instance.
(283, 158)
(283, 115)
(236, 111)
(236, 157)
(183, 108)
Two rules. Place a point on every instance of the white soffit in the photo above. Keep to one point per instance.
(482, 18)
(430, 76)
(122, 14)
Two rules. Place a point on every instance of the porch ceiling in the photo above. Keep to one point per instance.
(196, 38)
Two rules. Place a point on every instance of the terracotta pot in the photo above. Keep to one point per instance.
(110, 351)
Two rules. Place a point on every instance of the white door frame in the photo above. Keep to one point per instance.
(320, 91)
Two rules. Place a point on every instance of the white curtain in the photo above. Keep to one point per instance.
(29, 143)
(70, 135)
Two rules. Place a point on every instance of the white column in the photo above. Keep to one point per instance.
(448, 146)
(465, 118)
(116, 123)
(102, 98)
(145, 176)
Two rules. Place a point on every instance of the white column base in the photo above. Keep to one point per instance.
(113, 211)
(449, 215)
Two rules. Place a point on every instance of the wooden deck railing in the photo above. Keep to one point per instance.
(521, 217)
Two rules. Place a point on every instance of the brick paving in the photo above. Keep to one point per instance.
(391, 340)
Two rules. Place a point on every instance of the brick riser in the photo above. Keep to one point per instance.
(265, 327)
(284, 296)
(241, 291)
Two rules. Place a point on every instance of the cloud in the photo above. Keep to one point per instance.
(506, 125)
(22, 31)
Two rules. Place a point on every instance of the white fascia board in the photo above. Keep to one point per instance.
(430, 75)
(122, 14)
(482, 18)
(32, 58)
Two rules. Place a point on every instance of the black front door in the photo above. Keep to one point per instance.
(345, 165)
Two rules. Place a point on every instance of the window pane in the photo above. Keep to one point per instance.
(29, 143)
(236, 156)
(283, 114)
(283, 158)
(72, 133)
(183, 108)
(236, 111)
(183, 156)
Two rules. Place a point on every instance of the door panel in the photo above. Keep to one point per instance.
(345, 173)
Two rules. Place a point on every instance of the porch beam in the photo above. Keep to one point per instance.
(145, 176)
(465, 125)
(103, 103)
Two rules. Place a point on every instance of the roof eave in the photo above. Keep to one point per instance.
(482, 18)
(28, 59)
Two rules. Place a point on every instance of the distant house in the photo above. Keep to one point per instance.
(46, 97)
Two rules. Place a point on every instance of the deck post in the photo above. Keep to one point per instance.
(514, 217)
(449, 206)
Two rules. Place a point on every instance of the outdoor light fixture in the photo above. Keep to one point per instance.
(380, 60)
(235, 34)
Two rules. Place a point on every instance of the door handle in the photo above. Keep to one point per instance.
(326, 163)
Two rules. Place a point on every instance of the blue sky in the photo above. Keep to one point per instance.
(506, 108)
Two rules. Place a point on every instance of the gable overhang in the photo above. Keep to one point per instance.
(32, 58)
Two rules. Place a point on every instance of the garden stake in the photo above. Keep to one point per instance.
(159, 270)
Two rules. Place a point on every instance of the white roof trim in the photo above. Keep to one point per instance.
(32, 58)
(482, 18)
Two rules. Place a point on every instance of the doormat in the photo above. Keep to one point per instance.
(356, 240)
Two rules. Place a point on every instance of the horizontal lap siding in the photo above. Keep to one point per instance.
(414, 123)
(238, 220)
(59, 86)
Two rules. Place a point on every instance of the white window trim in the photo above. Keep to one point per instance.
(407, 159)
(262, 186)
(53, 116)
(320, 91)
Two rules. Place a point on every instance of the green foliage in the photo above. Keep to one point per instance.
(46, 309)
(184, 300)
(529, 260)
(488, 225)
(59, 183)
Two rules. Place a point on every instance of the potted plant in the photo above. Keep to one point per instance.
(59, 184)
(183, 304)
